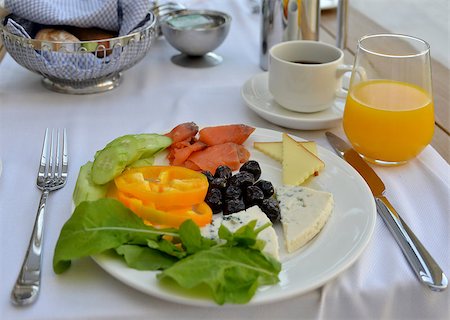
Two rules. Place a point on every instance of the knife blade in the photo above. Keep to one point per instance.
(421, 262)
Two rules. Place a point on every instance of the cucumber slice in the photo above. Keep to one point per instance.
(113, 158)
(123, 151)
(110, 162)
(151, 143)
(142, 163)
(85, 189)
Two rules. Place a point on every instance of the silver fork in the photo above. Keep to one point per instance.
(52, 175)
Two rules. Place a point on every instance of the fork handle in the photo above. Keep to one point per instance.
(26, 288)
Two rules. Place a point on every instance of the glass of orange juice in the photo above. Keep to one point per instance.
(389, 113)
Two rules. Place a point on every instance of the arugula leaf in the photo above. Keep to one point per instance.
(192, 239)
(232, 273)
(98, 226)
(145, 258)
(245, 236)
(167, 247)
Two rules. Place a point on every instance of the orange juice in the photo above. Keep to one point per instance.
(388, 121)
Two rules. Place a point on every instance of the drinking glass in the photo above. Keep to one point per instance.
(389, 112)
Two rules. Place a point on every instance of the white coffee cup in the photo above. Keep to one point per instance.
(306, 76)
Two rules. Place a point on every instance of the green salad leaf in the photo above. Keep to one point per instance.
(192, 239)
(233, 267)
(96, 226)
(232, 273)
(245, 236)
(145, 258)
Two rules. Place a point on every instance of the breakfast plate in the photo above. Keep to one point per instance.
(256, 95)
(333, 250)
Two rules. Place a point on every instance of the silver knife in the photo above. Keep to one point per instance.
(424, 266)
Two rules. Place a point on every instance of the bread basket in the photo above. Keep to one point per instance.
(81, 67)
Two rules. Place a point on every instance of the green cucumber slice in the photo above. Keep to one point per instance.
(85, 189)
(110, 162)
(123, 151)
(142, 163)
(151, 143)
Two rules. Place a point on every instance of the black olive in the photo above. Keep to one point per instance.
(208, 175)
(223, 172)
(233, 206)
(271, 208)
(252, 167)
(266, 187)
(233, 192)
(218, 183)
(214, 200)
(242, 180)
(253, 195)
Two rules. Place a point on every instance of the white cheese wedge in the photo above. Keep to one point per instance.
(298, 163)
(275, 149)
(304, 212)
(236, 220)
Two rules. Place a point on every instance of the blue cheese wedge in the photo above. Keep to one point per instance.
(236, 220)
(304, 212)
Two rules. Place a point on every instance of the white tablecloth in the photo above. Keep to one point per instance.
(157, 95)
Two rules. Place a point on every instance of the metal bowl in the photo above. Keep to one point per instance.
(196, 39)
(81, 67)
(161, 10)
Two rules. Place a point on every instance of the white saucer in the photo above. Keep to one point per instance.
(256, 95)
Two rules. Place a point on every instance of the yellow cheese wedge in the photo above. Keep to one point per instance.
(275, 149)
(298, 163)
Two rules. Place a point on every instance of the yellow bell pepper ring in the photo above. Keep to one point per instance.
(166, 187)
(200, 213)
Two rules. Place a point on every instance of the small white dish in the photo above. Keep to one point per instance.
(328, 4)
(257, 96)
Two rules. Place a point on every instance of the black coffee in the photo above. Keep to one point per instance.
(307, 62)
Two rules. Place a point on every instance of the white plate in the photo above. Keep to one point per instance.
(333, 250)
(256, 95)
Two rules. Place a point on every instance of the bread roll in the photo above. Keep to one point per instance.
(75, 35)
(50, 34)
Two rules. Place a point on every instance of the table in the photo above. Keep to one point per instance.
(155, 96)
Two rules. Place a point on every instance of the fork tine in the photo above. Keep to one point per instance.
(51, 167)
(44, 155)
(58, 155)
(65, 158)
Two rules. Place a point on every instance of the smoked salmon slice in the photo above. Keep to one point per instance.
(184, 131)
(180, 155)
(230, 154)
(190, 165)
(236, 133)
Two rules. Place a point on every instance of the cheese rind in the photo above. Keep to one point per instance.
(236, 220)
(275, 149)
(298, 163)
(304, 212)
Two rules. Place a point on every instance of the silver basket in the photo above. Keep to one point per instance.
(81, 67)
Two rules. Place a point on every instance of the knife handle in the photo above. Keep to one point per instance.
(426, 269)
